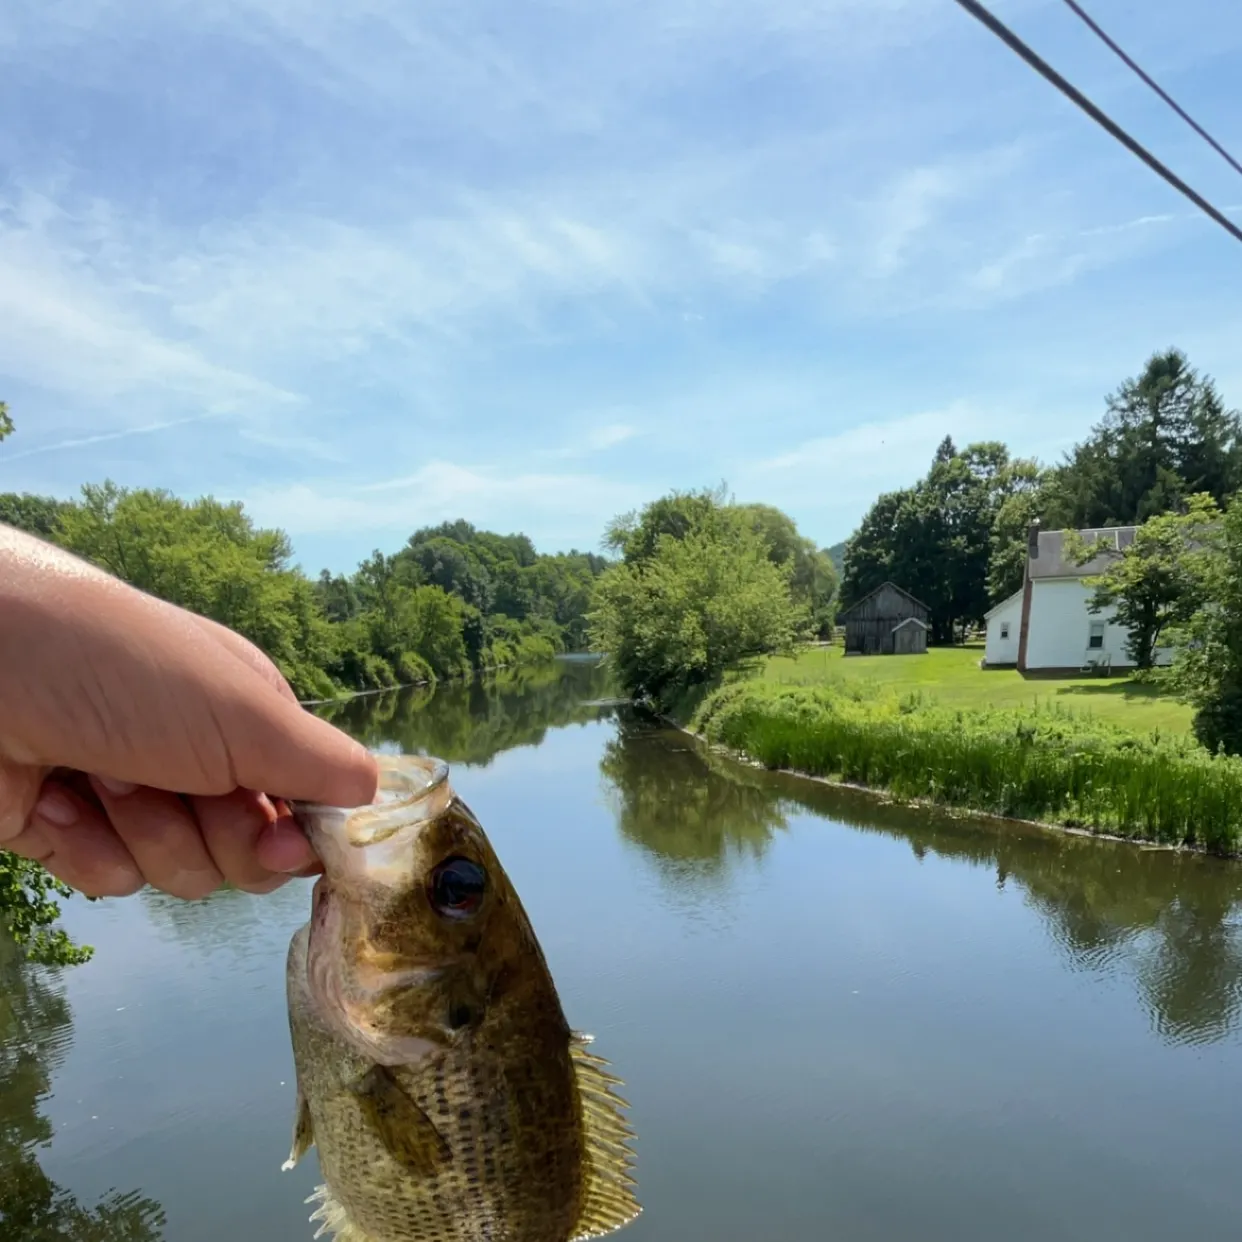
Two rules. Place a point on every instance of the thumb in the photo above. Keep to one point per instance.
(279, 748)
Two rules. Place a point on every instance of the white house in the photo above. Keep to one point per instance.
(1047, 626)
(1003, 623)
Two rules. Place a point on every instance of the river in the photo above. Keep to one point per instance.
(835, 1019)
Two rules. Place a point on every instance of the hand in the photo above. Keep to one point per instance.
(140, 743)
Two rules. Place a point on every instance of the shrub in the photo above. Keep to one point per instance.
(1043, 764)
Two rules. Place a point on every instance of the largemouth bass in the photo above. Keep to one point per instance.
(437, 1077)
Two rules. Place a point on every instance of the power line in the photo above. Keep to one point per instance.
(1002, 32)
(1103, 37)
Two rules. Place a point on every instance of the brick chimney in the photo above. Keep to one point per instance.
(1024, 629)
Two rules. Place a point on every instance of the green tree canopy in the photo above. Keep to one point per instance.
(935, 539)
(1165, 436)
(682, 607)
(812, 575)
(1208, 667)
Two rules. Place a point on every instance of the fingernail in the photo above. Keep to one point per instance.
(117, 789)
(56, 808)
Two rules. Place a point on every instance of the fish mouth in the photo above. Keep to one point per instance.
(368, 842)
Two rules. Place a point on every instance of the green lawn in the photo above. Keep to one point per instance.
(952, 675)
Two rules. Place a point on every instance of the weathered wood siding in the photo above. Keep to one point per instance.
(909, 640)
(869, 624)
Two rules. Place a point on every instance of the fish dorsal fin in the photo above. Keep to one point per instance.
(608, 1200)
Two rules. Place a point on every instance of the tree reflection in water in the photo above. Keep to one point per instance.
(471, 722)
(1171, 921)
(36, 1031)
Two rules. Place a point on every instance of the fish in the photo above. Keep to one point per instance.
(437, 1078)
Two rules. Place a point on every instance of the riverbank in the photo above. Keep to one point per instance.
(490, 670)
(1042, 765)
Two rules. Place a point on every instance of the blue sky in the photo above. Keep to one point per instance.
(372, 265)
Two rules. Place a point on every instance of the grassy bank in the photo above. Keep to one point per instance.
(1037, 762)
(953, 676)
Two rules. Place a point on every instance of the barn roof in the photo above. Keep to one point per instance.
(858, 603)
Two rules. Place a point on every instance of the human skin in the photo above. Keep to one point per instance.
(141, 744)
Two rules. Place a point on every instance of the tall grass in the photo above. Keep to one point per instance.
(1036, 763)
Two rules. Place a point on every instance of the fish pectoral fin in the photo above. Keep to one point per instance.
(303, 1133)
(407, 1133)
(608, 1199)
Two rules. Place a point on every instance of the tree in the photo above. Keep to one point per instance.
(36, 515)
(636, 535)
(1160, 580)
(680, 609)
(1207, 670)
(29, 910)
(1007, 542)
(935, 539)
(1166, 435)
(812, 576)
(6, 421)
(451, 566)
(871, 551)
(518, 604)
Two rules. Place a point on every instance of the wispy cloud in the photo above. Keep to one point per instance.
(443, 490)
(608, 437)
(529, 264)
(599, 438)
(105, 437)
(864, 460)
(71, 324)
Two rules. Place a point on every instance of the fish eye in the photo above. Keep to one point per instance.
(457, 887)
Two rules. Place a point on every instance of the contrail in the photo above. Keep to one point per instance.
(103, 436)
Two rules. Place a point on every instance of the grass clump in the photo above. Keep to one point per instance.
(1042, 763)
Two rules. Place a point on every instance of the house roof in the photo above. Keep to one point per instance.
(1052, 560)
(991, 612)
(858, 603)
(901, 625)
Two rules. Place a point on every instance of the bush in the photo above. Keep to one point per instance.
(414, 670)
(1041, 764)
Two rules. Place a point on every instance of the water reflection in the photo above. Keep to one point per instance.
(691, 811)
(1172, 922)
(471, 722)
(35, 1034)
(228, 918)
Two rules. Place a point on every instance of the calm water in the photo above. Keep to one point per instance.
(835, 1021)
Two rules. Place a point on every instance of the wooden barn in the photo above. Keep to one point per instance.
(888, 621)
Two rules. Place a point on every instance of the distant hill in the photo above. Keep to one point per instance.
(836, 554)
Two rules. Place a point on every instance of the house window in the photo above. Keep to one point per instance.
(1004, 629)
(1096, 639)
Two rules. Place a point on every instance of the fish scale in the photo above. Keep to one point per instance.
(447, 1097)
